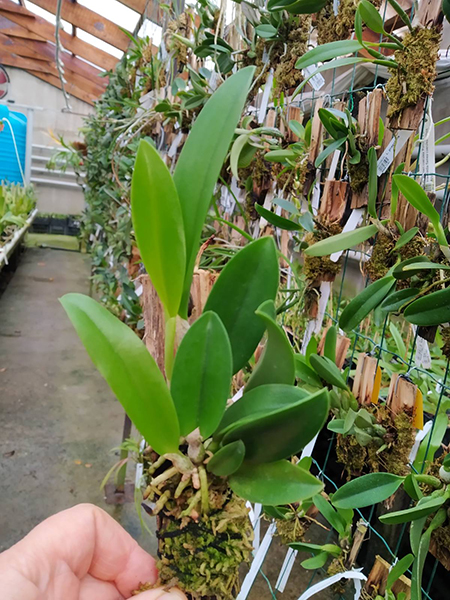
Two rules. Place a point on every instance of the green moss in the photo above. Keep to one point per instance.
(359, 173)
(291, 530)
(331, 27)
(382, 258)
(445, 334)
(320, 268)
(417, 69)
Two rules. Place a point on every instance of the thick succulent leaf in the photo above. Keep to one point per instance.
(316, 548)
(370, 16)
(282, 433)
(266, 31)
(274, 483)
(399, 271)
(276, 220)
(342, 241)
(249, 279)
(261, 401)
(431, 443)
(405, 238)
(201, 160)
(305, 373)
(315, 562)
(329, 150)
(330, 514)
(326, 52)
(399, 569)
(367, 490)
(416, 196)
(329, 348)
(227, 460)
(296, 6)
(393, 302)
(128, 368)
(277, 363)
(424, 508)
(327, 370)
(365, 302)
(158, 226)
(433, 309)
(422, 553)
(201, 375)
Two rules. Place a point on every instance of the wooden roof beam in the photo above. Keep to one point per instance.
(87, 20)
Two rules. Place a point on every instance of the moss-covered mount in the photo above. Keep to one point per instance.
(333, 26)
(204, 533)
(413, 80)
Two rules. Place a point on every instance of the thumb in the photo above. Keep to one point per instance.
(160, 594)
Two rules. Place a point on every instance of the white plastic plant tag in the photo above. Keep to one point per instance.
(307, 336)
(214, 80)
(315, 196)
(308, 449)
(336, 7)
(317, 81)
(399, 139)
(419, 437)
(265, 98)
(174, 145)
(333, 166)
(423, 356)
(352, 223)
(139, 473)
(286, 569)
(237, 395)
(356, 575)
(257, 526)
(427, 157)
(139, 290)
(257, 562)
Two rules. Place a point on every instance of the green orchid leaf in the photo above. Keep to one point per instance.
(287, 206)
(248, 279)
(367, 490)
(337, 425)
(277, 363)
(425, 507)
(429, 266)
(332, 64)
(315, 562)
(395, 192)
(397, 337)
(433, 309)
(201, 375)
(276, 220)
(227, 460)
(373, 181)
(326, 52)
(342, 241)
(334, 126)
(305, 373)
(329, 150)
(275, 483)
(365, 302)
(129, 370)
(416, 197)
(316, 549)
(201, 159)
(424, 545)
(266, 31)
(158, 225)
(236, 151)
(431, 443)
(280, 156)
(260, 401)
(327, 370)
(330, 514)
(370, 16)
(358, 31)
(399, 271)
(329, 348)
(282, 433)
(399, 569)
(412, 488)
(296, 6)
(297, 128)
(276, 512)
(394, 302)
(415, 533)
(306, 220)
(405, 238)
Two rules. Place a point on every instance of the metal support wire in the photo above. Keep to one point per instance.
(59, 49)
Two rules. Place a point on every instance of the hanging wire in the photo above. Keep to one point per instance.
(59, 49)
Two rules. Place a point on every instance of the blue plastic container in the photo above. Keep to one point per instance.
(9, 166)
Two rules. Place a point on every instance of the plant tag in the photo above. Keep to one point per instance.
(399, 139)
(356, 575)
(333, 166)
(352, 223)
(174, 145)
(257, 562)
(336, 7)
(376, 386)
(417, 421)
(315, 197)
(139, 473)
(423, 356)
(214, 80)
(427, 159)
(286, 569)
(265, 98)
(317, 81)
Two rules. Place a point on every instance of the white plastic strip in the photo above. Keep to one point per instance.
(419, 437)
(257, 526)
(352, 223)
(286, 570)
(356, 575)
(392, 149)
(257, 562)
(315, 197)
(315, 325)
(174, 145)
(427, 156)
(265, 98)
(333, 166)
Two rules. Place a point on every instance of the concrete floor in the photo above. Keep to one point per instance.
(59, 420)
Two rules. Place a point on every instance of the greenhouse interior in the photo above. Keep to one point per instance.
(224, 299)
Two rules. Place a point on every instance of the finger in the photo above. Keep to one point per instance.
(159, 594)
(93, 589)
(88, 540)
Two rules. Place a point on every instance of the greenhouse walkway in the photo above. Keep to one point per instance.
(58, 419)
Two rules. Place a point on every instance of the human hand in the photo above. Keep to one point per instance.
(78, 554)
